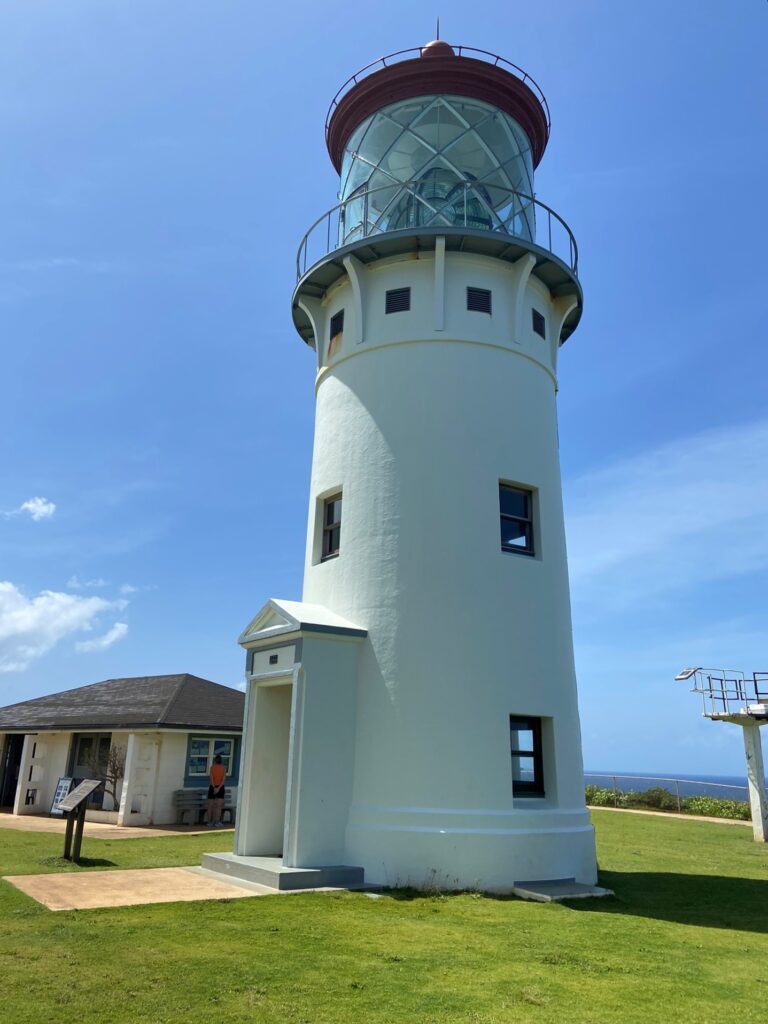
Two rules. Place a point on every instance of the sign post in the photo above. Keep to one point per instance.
(74, 808)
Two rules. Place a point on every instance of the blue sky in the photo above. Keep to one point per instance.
(161, 162)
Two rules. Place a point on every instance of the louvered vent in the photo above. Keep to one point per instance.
(398, 300)
(539, 324)
(479, 300)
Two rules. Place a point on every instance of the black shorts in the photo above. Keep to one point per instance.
(216, 796)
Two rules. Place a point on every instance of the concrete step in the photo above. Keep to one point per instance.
(271, 871)
(556, 889)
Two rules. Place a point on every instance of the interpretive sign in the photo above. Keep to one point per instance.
(78, 794)
(74, 808)
(62, 788)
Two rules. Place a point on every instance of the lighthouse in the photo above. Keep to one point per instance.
(413, 719)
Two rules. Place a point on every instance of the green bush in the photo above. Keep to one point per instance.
(716, 807)
(598, 797)
(661, 799)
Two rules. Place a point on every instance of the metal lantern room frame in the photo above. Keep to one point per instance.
(729, 695)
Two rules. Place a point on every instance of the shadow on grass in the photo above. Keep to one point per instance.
(84, 862)
(706, 901)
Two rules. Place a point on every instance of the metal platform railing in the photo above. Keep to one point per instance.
(416, 51)
(682, 787)
(468, 205)
(729, 691)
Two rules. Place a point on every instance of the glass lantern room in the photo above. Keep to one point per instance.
(437, 161)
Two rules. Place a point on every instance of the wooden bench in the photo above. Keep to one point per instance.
(194, 802)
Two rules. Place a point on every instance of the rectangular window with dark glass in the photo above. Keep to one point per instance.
(336, 332)
(331, 526)
(539, 324)
(525, 748)
(479, 300)
(398, 300)
(516, 514)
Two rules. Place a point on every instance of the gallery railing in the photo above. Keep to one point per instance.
(410, 205)
(417, 51)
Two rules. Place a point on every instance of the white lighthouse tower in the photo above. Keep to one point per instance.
(415, 715)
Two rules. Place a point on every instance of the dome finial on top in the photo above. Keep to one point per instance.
(437, 48)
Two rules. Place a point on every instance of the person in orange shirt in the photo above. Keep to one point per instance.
(216, 793)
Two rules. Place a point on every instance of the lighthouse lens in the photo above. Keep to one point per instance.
(437, 161)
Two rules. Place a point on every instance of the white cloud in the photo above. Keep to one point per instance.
(685, 513)
(31, 627)
(101, 643)
(75, 583)
(37, 508)
(129, 588)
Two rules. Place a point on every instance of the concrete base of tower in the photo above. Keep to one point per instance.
(489, 851)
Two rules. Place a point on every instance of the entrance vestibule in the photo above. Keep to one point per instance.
(263, 833)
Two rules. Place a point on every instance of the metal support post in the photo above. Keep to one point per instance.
(758, 799)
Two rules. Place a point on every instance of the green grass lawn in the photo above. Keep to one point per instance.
(685, 940)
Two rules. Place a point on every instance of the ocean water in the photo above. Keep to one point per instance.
(729, 787)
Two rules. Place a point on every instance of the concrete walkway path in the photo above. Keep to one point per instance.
(672, 814)
(101, 830)
(88, 890)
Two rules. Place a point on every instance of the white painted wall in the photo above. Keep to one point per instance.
(171, 768)
(139, 784)
(419, 415)
(53, 751)
(44, 758)
(322, 764)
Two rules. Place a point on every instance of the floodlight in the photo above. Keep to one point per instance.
(686, 674)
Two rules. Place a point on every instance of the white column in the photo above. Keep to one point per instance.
(756, 781)
(140, 780)
(126, 793)
(19, 807)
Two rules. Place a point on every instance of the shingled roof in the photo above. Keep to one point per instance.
(167, 702)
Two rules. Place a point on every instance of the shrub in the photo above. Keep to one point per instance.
(598, 797)
(659, 798)
(716, 807)
(662, 800)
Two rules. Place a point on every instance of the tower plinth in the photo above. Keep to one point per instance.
(427, 726)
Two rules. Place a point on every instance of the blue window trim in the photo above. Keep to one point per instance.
(202, 782)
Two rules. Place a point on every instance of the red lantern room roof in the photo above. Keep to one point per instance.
(438, 68)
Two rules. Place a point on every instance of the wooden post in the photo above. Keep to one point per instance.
(756, 781)
(68, 835)
(79, 826)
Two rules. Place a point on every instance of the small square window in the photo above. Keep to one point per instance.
(398, 300)
(539, 323)
(337, 323)
(336, 332)
(516, 515)
(527, 761)
(479, 300)
(331, 527)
